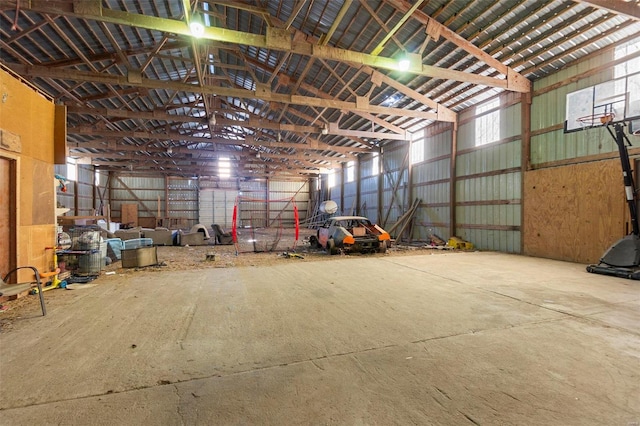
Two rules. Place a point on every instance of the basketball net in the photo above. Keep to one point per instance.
(593, 120)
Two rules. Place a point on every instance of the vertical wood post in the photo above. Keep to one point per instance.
(452, 180)
(525, 105)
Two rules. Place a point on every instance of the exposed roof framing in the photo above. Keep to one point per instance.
(630, 8)
(281, 87)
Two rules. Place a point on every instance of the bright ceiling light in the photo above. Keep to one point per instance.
(196, 25)
(404, 64)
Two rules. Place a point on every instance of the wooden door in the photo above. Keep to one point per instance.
(7, 215)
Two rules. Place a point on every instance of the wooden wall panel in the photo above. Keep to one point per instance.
(7, 214)
(60, 135)
(129, 213)
(574, 212)
(43, 207)
(29, 116)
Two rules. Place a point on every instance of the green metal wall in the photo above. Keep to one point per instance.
(549, 143)
(489, 182)
(430, 179)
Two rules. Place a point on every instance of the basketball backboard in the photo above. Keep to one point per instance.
(609, 102)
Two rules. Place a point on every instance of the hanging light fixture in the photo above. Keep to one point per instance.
(196, 25)
(404, 64)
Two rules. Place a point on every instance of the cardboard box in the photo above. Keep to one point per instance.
(139, 257)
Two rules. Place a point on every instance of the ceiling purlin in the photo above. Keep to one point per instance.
(567, 23)
(92, 9)
(114, 44)
(85, 61)
(587, 42)
(26, 31)
(5, 43)
(515, 81)
(38, 71)
(215, 140)
(325, 38)
(443, 112)
(407, 14)
(119, 152)
(205, 161)
(430, 86)
(628, 8)
(381, 23)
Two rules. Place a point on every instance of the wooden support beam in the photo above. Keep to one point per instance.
(407, 15)
(452, 181)
(514, 81)
(260, 93)
(279, 39)
(623, 7)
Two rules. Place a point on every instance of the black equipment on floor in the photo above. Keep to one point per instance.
(622, 259)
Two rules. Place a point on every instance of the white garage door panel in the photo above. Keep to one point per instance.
(216, 206)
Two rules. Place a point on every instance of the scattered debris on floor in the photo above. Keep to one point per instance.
(211, 256)
(459, 243)
(290, 255)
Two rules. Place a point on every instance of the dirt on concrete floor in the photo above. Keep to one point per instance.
(178, 258)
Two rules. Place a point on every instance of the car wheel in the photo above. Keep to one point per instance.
(383, 247)
(331, 247)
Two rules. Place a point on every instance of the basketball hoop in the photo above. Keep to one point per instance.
(596, 119)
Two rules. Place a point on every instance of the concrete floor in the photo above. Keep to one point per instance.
(457, 338)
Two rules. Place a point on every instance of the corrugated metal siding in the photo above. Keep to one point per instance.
(65, 199)
(349, 198)
(183, 199)
(142, 191)
(431, 185)
(216, 206)
(335, 193)
(81, 190)
(284, 190)
(395, 168)
(368, 188)
(548, 110)
(217, 202)
(85, 187)
(488, 186)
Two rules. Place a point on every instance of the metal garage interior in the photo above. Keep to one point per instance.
(456, 107)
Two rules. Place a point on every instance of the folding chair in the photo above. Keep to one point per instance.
(8, 290)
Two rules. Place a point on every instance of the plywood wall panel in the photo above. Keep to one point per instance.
(29, 115)
(129, 214)
(574, 212)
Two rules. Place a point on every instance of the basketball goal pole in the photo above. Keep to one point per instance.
(622, 259)
(627, 173)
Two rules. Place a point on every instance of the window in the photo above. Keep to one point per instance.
(331, 178)
(488, 124)
(375, 164)
(417, 151)
(72, 169)
(224, 168)
(351, 171)
(631, 66)
(96, 178)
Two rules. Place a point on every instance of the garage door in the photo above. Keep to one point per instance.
(216, 206)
